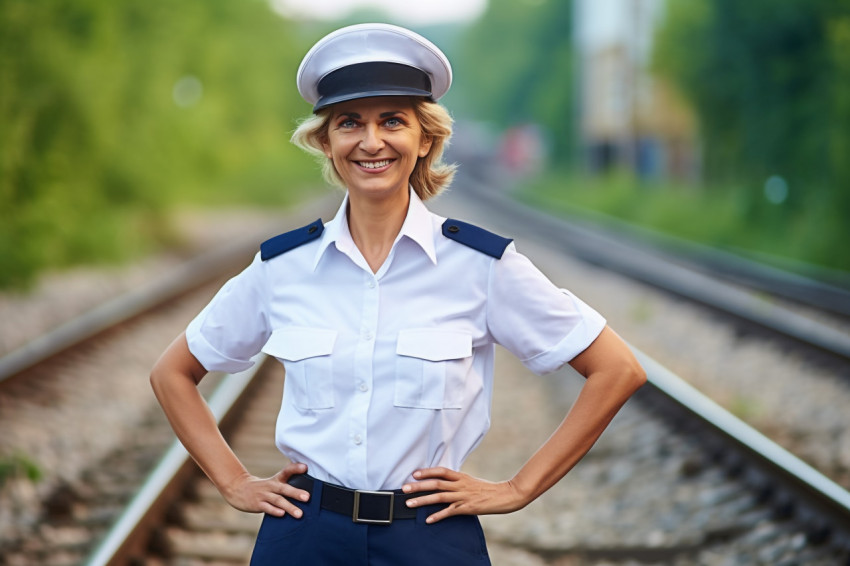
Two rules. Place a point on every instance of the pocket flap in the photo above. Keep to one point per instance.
(433, 344)
(298, 343)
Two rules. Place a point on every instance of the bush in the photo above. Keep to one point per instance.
(111, 112)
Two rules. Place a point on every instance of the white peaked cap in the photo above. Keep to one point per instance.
(366, 60)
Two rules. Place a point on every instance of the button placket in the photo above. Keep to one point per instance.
(364, 350)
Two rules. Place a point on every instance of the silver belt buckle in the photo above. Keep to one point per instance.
(355, 516)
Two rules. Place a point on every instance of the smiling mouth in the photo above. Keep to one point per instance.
(374, 164)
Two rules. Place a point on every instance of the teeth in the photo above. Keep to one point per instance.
(374, 164)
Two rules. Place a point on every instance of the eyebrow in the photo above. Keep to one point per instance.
(357, 116)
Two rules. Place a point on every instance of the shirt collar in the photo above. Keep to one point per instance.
(417, 226)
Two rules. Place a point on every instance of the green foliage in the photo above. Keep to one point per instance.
(18, 466)
(720, 216)
(770, 82)
(110, 112)
(515, 65)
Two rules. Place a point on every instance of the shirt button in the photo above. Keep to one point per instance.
(367, 335)
(371, 284)
(363, 387)
(357, 439)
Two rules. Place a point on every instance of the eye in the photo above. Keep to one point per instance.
(347, 123)
(393, 122)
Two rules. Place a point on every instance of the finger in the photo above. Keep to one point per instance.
(283, 506)
(288, 490)
(292, 470)
(433, 499)
(426, 485)
(440, 515)
(295, 493)
(433, 479)
(269, 509)
(438, 472)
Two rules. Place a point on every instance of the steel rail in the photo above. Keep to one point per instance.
(820, 495)
(817, 497)
(826, 290)
(189, 275)
(643, 264)
(813, 490)
(148, 505)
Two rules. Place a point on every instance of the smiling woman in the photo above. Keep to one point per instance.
(374, 144)
(389, 369)
(430, 174)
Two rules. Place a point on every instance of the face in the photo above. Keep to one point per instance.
(374, 144)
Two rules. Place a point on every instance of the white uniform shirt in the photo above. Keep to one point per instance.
(392, 371)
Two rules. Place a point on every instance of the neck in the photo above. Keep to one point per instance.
(375, 223)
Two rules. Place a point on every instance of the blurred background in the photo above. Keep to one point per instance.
(719, 121)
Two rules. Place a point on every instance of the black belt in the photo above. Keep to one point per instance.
(375, 507)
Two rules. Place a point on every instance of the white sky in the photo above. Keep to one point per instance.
(406, 11)
(603, 22)
(600, 21)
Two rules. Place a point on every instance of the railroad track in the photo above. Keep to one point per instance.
(747, 290)
(178, 515)
(76, 405)
(797, 399)
(179, 518)
(758, 488)
(775, 487)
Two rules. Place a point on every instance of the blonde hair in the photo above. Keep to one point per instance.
(430, 175)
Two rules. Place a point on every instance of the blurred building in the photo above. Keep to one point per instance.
(628, 118)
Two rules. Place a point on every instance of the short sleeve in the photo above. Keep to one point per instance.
(544, 326)
(233, 327)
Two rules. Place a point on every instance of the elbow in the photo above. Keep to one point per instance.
(626, 377)
(621, 380)
(174, 368)
(157, 380)
(639, 376)
(162, 378)
(633, 376)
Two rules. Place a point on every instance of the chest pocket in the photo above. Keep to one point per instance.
(431, 368)
(306, 354)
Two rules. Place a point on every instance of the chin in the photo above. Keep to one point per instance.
(377, 188)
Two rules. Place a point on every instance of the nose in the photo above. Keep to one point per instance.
(371, 142)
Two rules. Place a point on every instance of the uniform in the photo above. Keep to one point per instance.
(392, 371)
(387, 371)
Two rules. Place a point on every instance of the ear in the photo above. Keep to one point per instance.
(326, 147)
(425, 145)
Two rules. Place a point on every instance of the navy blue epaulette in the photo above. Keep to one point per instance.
(282, 243)
(476, 238)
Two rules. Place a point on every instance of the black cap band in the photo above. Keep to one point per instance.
(363, 80)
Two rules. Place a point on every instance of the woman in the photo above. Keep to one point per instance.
(386, 320)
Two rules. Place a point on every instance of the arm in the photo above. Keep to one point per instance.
(174, 379)
(613, 375)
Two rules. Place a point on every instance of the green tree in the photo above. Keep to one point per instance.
(111, 111)
(515, 65)
(766, 79)
(770, 82)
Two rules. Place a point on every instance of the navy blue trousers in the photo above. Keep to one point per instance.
(324, 537)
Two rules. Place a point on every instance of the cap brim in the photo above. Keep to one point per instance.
(326, 101)
(372, 43)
